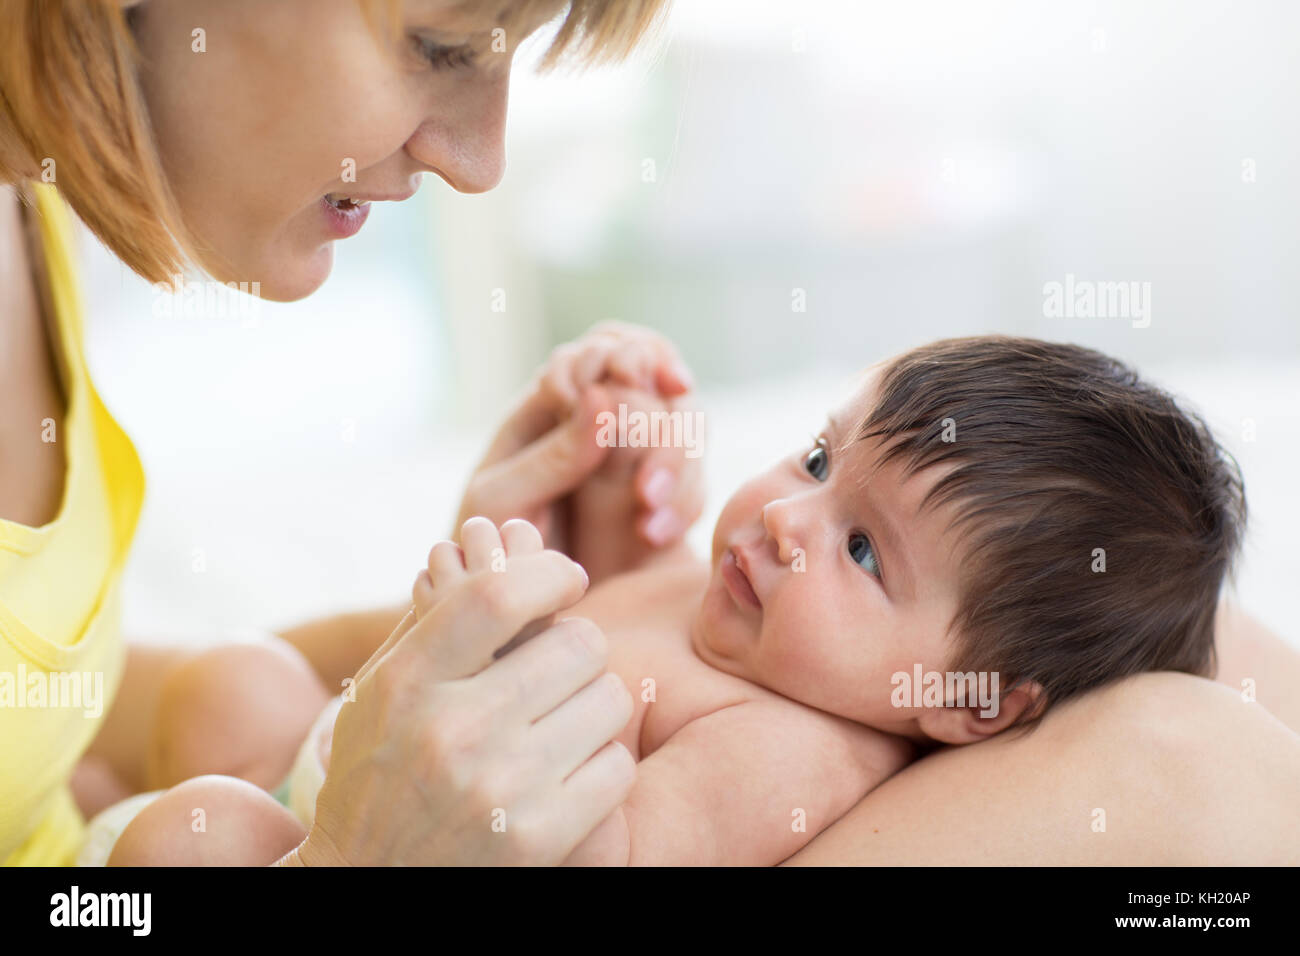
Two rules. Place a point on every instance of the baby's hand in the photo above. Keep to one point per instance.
(647, 491)
(614, 353)
(483, 549)
(547, 449)
(649, 488)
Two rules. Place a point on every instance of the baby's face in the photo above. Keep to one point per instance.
(827, 579)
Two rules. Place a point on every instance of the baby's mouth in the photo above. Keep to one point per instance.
(736, 579)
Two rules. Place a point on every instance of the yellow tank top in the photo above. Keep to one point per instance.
(61, 648)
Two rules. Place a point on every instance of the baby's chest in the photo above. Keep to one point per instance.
(670, 685)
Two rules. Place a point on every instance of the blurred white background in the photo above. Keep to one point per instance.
(918, 170)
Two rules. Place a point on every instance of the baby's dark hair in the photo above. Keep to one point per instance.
(1098, 520)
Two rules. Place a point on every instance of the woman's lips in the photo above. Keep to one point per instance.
(733, 576)
(346, 222)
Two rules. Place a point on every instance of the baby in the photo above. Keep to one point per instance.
(988, 527)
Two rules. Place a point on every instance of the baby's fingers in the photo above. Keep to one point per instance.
(482, 544)
(521, 537)
(446, 565)
(659, 365)
(633, 364)
(484, 612)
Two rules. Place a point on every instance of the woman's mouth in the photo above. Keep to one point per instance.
(737, 583)
(344, 216)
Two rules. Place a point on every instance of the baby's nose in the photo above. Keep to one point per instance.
(780, 529)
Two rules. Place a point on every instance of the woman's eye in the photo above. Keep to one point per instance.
(443, 57)
(861, 551)
(818, 461)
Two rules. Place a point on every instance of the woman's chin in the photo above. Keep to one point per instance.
(300, 278)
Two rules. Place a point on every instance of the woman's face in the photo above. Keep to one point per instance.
(279, 113)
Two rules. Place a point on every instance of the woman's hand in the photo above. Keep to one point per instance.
(441, 756)
(547, 448)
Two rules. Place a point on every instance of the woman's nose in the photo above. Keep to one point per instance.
(464, 141)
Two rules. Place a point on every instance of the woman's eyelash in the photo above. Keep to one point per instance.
(444, 57)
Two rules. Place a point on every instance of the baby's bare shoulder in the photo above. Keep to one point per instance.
(659, 594)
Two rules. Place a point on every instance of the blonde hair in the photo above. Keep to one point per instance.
(71, 109)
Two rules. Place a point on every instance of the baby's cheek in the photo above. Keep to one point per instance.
(809, 655)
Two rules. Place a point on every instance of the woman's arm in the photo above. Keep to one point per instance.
(1250, 652)
(1178, 770)
(1184, 770)
(337, 646)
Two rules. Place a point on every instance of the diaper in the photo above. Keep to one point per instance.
(297, 792)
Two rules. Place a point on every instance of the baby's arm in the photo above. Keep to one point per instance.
(747, 785)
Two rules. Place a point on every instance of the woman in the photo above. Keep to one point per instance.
(250, 136)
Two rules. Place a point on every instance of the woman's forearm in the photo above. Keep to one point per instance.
(1254, 660)
(1157, 769)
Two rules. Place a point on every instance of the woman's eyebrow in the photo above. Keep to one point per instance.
(452, 17)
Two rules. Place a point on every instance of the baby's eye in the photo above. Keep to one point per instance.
(861, 551)
(818, 461)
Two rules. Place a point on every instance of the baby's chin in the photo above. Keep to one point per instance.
(709, 645)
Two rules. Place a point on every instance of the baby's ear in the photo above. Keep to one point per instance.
(969, 725)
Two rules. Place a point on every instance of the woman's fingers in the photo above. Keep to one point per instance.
(550, 467)
(549, 669)
(404, 625)
(597, 788)
(556, 382)
(573, 731)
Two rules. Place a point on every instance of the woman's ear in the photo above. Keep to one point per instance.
(968, 725)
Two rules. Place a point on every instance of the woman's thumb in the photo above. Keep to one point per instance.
(556, 463)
